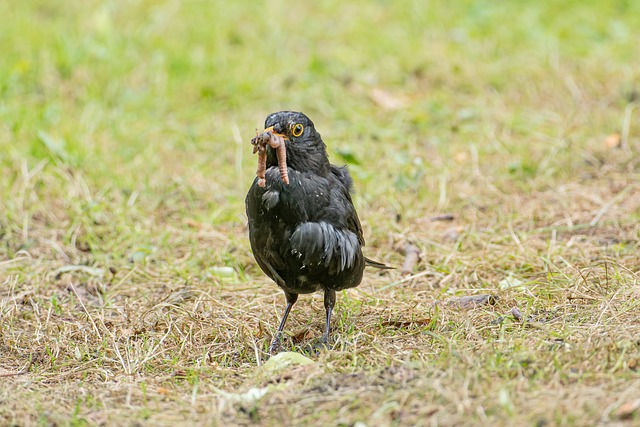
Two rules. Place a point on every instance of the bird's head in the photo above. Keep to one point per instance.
(306, 151)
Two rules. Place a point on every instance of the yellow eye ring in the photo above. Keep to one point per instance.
(297, 130)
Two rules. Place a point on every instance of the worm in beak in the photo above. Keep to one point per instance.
(277, 142)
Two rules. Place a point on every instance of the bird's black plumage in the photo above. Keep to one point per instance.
(305, 235)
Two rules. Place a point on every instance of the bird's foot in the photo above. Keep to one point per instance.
(323, 344)
(275, 347)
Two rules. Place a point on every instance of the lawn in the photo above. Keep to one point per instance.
(499, 138)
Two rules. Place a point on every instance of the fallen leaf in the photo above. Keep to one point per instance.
(92, 271)
(302, 335)
(193, 223)
(141, 253)
(626, 410)
(386, 100)
(251, 396)
(461, 157)
(221, 272)
(282, 361)
(613, 141)
(510, 282)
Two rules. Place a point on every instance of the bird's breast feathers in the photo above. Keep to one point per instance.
(305, 194)
(307, 220)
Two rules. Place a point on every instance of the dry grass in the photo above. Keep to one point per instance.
(128, 292)
(157, 340)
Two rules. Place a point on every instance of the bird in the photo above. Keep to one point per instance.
(304, 230)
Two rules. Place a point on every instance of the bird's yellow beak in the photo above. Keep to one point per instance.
(270, 129)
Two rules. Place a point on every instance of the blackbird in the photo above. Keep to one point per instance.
(304, 230)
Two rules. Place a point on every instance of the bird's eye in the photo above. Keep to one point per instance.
(297, 130)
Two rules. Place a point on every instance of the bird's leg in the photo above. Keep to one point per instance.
(329, 302)
(275, 344)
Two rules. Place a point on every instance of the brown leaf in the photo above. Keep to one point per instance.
(164, 391)
(613, 141)
(461, 157)
(386, 100)
(412, 257)
(192, 223)
(303, 334)
(627, 409)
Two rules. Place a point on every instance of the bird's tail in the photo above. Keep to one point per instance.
(371, 263)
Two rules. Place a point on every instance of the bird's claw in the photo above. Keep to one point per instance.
(320, 346)
(275, 347)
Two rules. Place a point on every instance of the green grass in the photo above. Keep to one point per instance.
(124, 149)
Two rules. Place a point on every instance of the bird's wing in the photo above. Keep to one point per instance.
(353, 222)
(322, 245)
(329, 235)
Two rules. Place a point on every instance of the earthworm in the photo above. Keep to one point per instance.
(412, 257)
(277, 143)
(262, 164)
(259, 144)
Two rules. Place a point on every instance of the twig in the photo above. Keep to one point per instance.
(444, 217)
(412, 257)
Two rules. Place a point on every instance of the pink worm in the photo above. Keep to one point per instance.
(262, 164)
(277, 143)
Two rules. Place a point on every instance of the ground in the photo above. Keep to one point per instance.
(129, 295)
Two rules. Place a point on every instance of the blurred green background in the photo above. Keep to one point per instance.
(121, 88)
(152, 104)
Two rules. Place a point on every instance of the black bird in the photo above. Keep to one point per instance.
(305, 234)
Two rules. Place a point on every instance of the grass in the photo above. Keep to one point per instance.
(129, 295)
